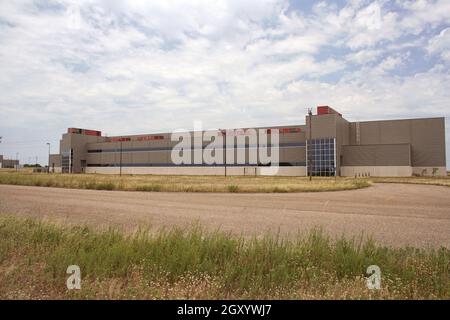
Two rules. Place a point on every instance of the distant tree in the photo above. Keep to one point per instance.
(27, 165)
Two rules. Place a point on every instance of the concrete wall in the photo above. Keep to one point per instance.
(218, 171)
(77, 142)
(55, 160)
(378, 171)
(428, 171)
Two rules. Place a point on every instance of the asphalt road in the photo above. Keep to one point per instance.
(393, 214)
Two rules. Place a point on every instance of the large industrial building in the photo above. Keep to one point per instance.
(326, 145)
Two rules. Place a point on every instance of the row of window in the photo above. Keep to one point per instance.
(321, 153)
(281, 145)
(281, 164)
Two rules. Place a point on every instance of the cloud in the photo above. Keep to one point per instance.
(421, 14)
(440, 45)
(128, 66)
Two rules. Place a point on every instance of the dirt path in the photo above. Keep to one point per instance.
(394, 214)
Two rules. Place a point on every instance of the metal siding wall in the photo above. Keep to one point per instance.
(159, 157)
(377, 155)
(323, 126)
(109, 158)
(292, 137)
(141, 157)
(94, 158)
(352, 133)
(342, 138)
(428, 142)
(127, 157)
(293, 155)
(426, 136)
(396, 131)
(370, 132)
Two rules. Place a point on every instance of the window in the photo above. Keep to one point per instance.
(321, 153)
(67, 161)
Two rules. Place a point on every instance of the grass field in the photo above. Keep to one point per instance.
(193, 264)
(436, 181)
(181, 183)
(235, 184)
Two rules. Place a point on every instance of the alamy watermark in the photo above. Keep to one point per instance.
(373, 281)
(258, 147)
(74, 280)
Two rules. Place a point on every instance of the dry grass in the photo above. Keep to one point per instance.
(193, 264)
(182, 183)
(436, 181)
(233, 184)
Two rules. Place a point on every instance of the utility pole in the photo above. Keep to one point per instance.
(120, 158)
(17, 161)
(48, 168)
(310, 145)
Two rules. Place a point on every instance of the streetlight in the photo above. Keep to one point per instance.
(310, 145)
(48, 168)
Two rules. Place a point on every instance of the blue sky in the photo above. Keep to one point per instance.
(126, 67)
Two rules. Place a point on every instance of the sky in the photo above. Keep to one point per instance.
(142, 66)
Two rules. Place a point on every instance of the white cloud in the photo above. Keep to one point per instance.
(364, 56)
(388, 64)
(139, 66)
(440, 45)
(423, 13)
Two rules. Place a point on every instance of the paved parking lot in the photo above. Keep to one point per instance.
(394, 214)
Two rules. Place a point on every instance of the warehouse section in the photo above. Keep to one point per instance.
(8, 163)
(327, 145)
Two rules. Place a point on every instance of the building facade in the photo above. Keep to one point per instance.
(326, 145)
(8, 163)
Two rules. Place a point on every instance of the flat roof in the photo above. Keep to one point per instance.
(403, 119)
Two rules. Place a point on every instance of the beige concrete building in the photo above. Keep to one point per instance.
(8, 163)
(326, 145)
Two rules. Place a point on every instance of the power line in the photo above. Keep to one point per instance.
(26, 141)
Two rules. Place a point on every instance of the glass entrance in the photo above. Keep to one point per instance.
(67, 161)
(321, 157)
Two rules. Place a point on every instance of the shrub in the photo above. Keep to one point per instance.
(105, 186)
(149, 188)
